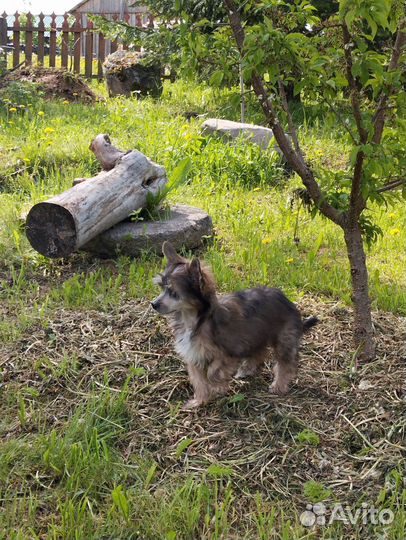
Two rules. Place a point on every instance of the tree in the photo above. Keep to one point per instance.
(347, 62)
(375, 155)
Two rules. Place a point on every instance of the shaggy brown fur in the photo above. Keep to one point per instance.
(219, 337)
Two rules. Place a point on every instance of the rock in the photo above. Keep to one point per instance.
(185, 226)
(228, 129)
(364, 384)
(125, 74)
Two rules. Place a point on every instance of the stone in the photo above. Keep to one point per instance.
(184, 226)
(126, 75)
(228, 129)
(364, 384)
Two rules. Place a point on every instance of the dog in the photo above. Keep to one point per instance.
(219, 337)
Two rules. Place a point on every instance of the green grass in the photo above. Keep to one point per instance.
(68, 476)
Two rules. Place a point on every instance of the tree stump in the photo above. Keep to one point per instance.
(184, 226)
(65, 223)
(126, 75)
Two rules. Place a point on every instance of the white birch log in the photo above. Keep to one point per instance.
(61, 225)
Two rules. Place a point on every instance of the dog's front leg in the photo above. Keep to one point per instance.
(201, 387)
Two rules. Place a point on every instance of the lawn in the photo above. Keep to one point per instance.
(93, 441)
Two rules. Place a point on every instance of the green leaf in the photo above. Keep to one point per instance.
(150, 474)
(180, 173)
(237, 398)
(317, 245)
(182, 446)
(120, 501)
(217, 78)
(219, 471)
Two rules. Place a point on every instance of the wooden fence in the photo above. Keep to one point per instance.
(67, 40)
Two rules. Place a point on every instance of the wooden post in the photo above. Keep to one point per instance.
(16, 40)
(150, 21)
(3, 29)
(89, 50)
(41, 39)
(114, 44)
(65, 42)
(101, 56)
(28, 40)
(3, 41)
(52, 41)
(77, 29)
(59, 226)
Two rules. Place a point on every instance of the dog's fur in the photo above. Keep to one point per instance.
(219, 337)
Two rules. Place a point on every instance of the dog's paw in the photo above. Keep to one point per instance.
(192, 404)
(278, 389)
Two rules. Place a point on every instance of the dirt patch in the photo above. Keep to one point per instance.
(355, 415)
(54, 83)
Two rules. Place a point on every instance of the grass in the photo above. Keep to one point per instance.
(75, 459)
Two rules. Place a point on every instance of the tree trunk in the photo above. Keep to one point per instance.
(363, 331)
(61, 225)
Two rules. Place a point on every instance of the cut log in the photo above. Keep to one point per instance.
(63, 224)
(183, 226)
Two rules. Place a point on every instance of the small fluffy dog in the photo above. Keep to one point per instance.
(219, 337)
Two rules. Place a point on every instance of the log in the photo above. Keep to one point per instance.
(61, 225)
(183, 226)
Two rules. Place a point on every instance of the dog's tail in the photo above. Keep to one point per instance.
(309, 323)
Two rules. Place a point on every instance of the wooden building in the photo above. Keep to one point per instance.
(112, 9)
(119, 10)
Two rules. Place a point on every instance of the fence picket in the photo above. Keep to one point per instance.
(34, 37)
(16, 39)
(41, 39)
(52, 41)
(89, 50)
(28, 40)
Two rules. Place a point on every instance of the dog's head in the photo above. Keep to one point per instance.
(186, 285)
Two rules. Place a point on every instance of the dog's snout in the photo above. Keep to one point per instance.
(155, 304)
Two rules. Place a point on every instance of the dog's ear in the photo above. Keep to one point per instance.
(195, 271)
(202, 278)
(170, 253)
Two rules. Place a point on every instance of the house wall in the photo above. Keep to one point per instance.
(107, 7)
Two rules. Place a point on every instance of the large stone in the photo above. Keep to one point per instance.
(228, 129)
(126, 75)
(184, 226)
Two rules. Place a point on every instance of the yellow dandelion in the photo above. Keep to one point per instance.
(41, 113)
(289, 261)
(394, 232)
(65, 102)
(266, 240)
(48, 130)
(12, 109)
(392, 215)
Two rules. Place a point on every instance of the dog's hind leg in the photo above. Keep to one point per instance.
(287, 357)
(219, 374)
(250, 367)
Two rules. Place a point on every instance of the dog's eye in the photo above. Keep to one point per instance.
(173, 294)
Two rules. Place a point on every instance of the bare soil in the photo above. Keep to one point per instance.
(356, 413)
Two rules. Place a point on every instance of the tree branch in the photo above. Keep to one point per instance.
(392, 185)
(291, 125)
(355, 96)
(294, 159)
(379, 117)
(357, 202)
